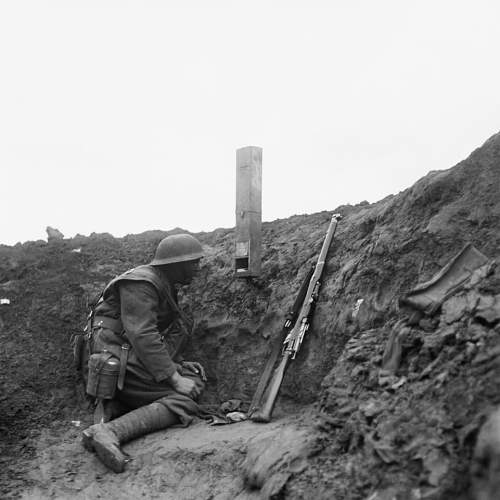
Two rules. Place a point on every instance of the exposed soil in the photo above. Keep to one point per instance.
(341, 430)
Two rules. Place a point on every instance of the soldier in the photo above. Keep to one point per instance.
(136, 307)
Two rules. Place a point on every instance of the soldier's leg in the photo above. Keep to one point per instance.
(105, 439)
(108, 409)
(157, 405)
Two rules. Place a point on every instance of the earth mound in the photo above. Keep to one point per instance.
(366, 432)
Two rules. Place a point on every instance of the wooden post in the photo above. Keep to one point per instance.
(248, 211)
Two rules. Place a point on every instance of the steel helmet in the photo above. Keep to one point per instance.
(177, 248)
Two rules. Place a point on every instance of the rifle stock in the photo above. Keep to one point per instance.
(264, 413)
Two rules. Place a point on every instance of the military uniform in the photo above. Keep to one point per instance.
(136, 308)
(130, 322)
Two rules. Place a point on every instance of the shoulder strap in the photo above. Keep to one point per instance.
(186, 326)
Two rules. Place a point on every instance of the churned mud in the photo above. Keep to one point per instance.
(346, 426)
(200, 462)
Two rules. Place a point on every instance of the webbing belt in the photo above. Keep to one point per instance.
(123, 365)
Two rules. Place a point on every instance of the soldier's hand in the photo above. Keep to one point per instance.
(184, 385)
(195, 367)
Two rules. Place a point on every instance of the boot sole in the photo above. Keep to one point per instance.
(107, 457)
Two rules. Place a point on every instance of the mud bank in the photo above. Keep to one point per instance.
(412, 437)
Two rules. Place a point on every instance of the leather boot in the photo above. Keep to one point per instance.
(105, 438)
(108, 409)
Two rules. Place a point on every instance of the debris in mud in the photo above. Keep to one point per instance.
(236, 416)
(429, 296)
(355, 309)
(447, 350)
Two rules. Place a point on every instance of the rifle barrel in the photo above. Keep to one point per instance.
(312, 290)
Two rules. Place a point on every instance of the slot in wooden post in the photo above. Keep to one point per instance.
(248, 211)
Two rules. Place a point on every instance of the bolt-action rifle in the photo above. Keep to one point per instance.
(277, 348)
(294, 330)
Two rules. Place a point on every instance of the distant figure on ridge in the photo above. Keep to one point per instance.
(127, 332)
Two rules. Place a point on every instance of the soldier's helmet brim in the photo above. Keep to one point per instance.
(173, 260)
(177, 248)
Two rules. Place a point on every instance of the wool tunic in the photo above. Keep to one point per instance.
(141, 299)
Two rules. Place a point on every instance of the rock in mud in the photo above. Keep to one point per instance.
(54, 234)
(488, 309)
(485, 466)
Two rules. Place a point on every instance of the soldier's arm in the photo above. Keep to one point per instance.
(139, 313)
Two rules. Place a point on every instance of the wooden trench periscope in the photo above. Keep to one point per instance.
(247, 260)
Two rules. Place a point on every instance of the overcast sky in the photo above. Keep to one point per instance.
(125, 116)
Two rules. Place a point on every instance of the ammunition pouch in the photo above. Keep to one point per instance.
(102, 381)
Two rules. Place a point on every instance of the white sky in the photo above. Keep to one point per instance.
(125, 116)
